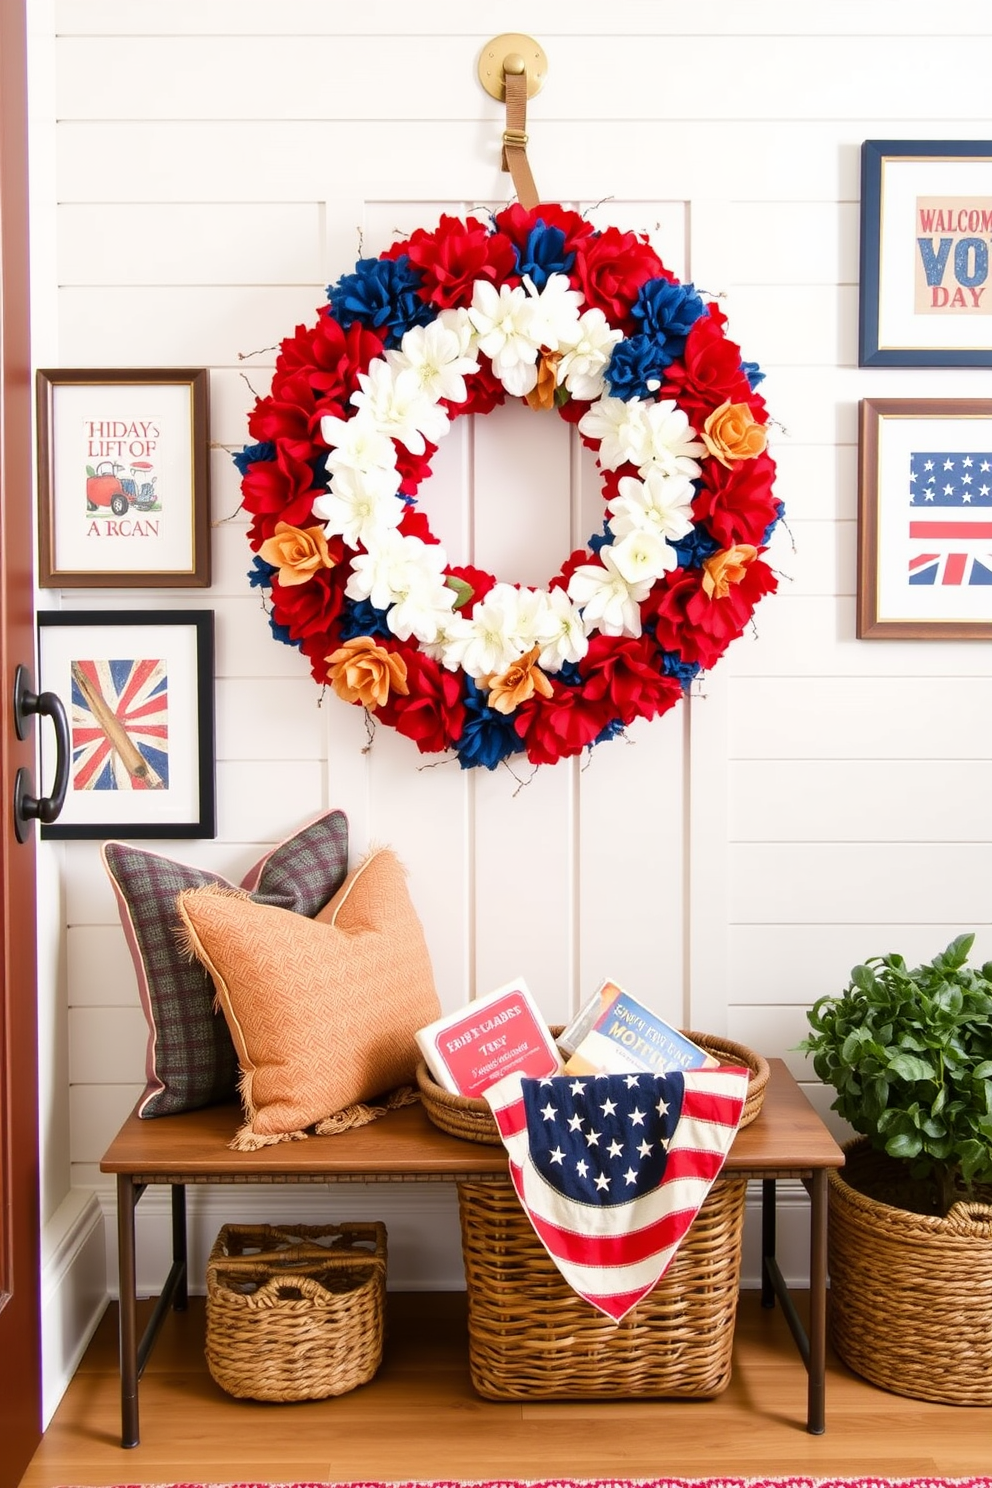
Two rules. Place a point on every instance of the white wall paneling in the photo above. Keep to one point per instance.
(821, 799)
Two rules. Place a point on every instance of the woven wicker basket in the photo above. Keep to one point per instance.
(532, 1337)
(295, 1314)
(473, 1120)
(910, 1294)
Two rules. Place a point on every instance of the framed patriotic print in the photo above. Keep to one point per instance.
(137, 686)
(123, 499)
(925, 519)
(926, 237)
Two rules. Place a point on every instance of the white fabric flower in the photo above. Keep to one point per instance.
(558, 307)
(621, 429)
(498, 633)
(395, 569)
(559, 631)
(508, 331)
(359, 504)
(453, 630)
(357, 444)
(422, 612)
(436, 355)
(399, 406)
(671, 441)
(609, 603)
(643, 555)
(586, 356)
(659, 503)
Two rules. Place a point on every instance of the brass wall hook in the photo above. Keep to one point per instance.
(514, 53)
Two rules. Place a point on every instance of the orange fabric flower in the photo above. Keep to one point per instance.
(731, 433)
(726, 568)
(296, 552)
(517, 684)
(542, 396)
(363, 672)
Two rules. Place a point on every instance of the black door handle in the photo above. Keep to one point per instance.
(27, 807)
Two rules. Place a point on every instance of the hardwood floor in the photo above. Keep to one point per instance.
(420, 1418)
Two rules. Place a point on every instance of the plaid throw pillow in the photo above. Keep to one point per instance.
(190, 1059)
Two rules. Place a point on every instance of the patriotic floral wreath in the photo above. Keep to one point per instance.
(540, 306)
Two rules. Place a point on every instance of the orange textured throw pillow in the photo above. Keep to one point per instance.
(322, 1011)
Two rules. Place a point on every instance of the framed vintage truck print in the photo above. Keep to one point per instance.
(926, 237)
(138, 689)
(123, 499)
(925, 519)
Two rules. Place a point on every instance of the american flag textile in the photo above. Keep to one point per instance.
(611, 1170)
(120, 735)
(950, 520)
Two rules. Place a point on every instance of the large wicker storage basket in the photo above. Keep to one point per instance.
(473, 1120)
(532, 1337)
(295, 1314)
(910, 1294)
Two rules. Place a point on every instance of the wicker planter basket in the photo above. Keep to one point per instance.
(532, 1337)
(295, 1314)
(910, 1294)
(473, 1120)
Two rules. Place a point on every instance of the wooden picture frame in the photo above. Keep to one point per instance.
(926, 257)
(123, 478)
(138, 690)
(925, 519)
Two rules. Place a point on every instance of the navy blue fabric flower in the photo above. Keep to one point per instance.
(488, 737)
(251, 453)
(694, 549)
(281, 633)
(637, 362)
(381, 294)
(668, 312)
(569, 675)
(260, 574)
(543, 254)
(601, 540)
(614, 727)
(753, 373)
(360, 618)
(779, 514)
(673, 666)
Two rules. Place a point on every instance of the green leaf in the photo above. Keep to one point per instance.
(463, 591)
(904, 1145)
(910, 1067)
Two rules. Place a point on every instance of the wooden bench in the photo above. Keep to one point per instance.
(787, 1140)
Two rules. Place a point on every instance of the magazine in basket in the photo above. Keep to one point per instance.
(469, 1050)
(615, 1033)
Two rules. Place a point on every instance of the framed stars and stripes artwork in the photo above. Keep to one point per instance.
(926, 238)
(925, 519)
(138, 691)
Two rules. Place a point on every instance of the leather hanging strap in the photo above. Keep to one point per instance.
(515, 139)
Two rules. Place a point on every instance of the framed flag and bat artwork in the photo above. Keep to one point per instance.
(925, 519)
(137, 686)
(926, 234)
(123, 497)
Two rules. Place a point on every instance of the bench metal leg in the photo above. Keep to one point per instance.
(128, 1195)
(816, 1402)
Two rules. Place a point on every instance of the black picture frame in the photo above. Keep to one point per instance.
(922, 205)
(138, 690)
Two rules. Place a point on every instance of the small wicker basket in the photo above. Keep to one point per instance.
(910, 1294)
(295, 1314)
(532, 1337)
(473, 1121)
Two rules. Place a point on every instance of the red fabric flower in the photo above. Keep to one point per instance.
(330, 358)
(454, 256)
(485, 392)
(555, 728)
(279, 490)
(623, 673)
(737, 504)
(478, 581)
(610, 270)
(698, 628)
(291, 417)
(309, 610)
(517, 223)
(413, 469)
(708, 374)
(432, 714)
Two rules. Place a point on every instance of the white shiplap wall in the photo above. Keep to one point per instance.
(823, 799)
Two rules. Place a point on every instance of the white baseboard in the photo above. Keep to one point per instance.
(73, 1290)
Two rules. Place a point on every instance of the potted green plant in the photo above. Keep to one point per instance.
(908, 1052)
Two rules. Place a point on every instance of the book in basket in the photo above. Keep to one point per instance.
(614, 1033)
(504, 1031)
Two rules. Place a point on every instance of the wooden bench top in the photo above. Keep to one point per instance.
(786, 1139)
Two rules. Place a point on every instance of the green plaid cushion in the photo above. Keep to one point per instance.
(190, 1060)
